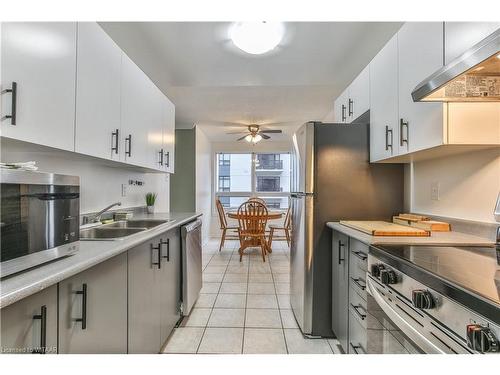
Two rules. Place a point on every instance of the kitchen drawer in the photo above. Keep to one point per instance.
(366, 311)
(357, 247)
(357, 280)
(358, 257)
(357, 336)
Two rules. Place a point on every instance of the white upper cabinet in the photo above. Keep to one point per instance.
(358, 101)
(384, 102)
(340, 108)
(460, 36)
(97, 130)
(168, 122)
(420, 53)
(139, 107)
(40, 58)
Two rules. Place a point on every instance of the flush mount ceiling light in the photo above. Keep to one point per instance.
(256, 38)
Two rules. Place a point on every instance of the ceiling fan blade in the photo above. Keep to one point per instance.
(271, 131)
(242, 138)
(237, 133)
(265, 136)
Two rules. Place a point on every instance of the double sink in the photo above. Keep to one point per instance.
(118, 230)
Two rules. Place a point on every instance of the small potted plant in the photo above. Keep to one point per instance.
(150, 202)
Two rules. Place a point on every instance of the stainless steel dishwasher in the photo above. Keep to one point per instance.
(191, 265)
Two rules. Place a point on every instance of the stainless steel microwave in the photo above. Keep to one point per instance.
(39, 218)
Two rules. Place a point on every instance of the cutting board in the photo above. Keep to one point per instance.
(384, 228)
(431, 225)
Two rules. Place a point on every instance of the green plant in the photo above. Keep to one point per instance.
(150, 199)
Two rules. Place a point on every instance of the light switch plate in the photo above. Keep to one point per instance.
(435, 187)
(124, 190)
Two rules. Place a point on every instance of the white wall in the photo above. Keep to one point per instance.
(204, 180)
(468, 183)
(100, 183)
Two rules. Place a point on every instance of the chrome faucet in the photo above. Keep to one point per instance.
(97, 217)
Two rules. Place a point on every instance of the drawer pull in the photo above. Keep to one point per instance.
(158, 249)
(83, 319)
(356, 310)
(359, 283)
(341, 245)
(167, 242)
(355, 348)
(13, 105)
(360, 255)
(43, 330)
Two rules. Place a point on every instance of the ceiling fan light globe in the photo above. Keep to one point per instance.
(249, 138)
(256, 138)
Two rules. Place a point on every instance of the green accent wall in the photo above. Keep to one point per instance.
(183, 181)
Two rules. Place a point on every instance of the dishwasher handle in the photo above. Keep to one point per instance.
(191, 226)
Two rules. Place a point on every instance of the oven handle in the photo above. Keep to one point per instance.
(425, 344)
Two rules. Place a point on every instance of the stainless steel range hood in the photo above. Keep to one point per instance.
(472, 77)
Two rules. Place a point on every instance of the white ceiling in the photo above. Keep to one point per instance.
(213, 83)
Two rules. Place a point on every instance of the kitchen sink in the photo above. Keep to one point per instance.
(147, 224)
(102, 233)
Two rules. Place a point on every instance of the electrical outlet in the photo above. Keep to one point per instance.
(124, 190)
(435, 187)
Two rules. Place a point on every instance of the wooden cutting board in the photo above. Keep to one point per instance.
(384, 228)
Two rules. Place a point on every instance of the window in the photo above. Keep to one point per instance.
(240, 176)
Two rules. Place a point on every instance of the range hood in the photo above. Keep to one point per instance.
(472, 77)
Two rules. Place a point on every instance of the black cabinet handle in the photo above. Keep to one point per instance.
(43, 330)
(13, 105)
(161, 157)
(129, 140)
(387, 144)
(343, 113)
(360, 255)
(351, 111)
(83, 293)
(168, 159)
(167, 242)
(341, 245)
(358, 284)
(115, 136)
(402, 139)
(355, 308)
(356, 347)
(158, 249)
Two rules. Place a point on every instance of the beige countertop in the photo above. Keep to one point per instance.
(436, 238)
(90, 253)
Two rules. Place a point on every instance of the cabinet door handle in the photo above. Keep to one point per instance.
(402, 139)
(158, 249)
(13, 104)
(355, 308)
(343, 113)
(351, 105)
(356, 347)
(129, 140)
(161, 157)
(116, 137)
(83, 293)
(167, 242)
(358, 283)
(341, 245)
(43, 330)
(387, 144)
(360, 255)
(168, 159)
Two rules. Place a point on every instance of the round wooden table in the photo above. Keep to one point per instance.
(271, 215)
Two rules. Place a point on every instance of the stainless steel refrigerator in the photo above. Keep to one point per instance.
(332, 180)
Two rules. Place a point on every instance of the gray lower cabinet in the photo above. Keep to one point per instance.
(30, 325)
(153, 292)
(340, 287)
(170, 282)
(93, 309)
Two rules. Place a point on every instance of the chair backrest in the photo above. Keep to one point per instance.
(288, 219)
(252, 217)
(256, 199)
(222, 214)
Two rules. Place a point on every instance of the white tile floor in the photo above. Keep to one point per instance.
(244, 307)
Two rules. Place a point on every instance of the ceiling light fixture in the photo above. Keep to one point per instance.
(253, 138)
(256, 38)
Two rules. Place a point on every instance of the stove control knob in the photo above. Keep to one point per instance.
(388, 277)
(482, 339)
(375, 269)
(422, 299)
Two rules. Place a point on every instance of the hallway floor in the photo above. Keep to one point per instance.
(244, 307)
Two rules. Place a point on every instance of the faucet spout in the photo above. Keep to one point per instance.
(97, 217)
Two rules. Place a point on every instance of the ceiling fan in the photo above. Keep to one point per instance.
(255, 134)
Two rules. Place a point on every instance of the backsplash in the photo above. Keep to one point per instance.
(100, 181)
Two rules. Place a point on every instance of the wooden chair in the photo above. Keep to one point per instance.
(224, 227)
(287, 226)
(252, 220)
(256, 199)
